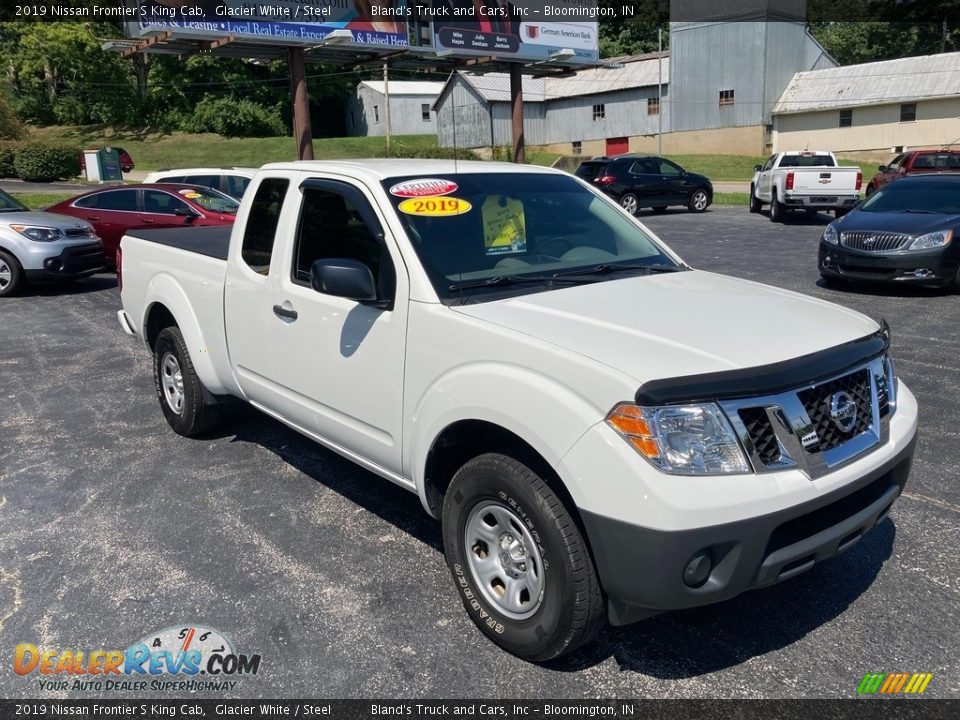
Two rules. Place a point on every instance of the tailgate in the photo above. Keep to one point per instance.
(822, 180)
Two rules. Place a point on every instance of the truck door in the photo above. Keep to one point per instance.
(340, 362)
(763, 182)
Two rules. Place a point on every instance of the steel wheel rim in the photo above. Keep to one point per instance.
(171, 380)
(700, 200)
(504, 560)
(629, 204)
(6, 274)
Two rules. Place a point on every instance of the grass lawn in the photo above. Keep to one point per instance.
(731, 198)
(152, 151)
(40, 200)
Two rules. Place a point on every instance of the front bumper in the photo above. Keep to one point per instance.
(72, 262)
(820, 202)
(645, 571)
(932, 267)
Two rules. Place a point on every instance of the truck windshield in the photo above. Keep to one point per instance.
(486, 234)
(812, 160)
(941, 196)
(8, 204)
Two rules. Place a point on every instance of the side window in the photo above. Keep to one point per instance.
(924, 162)
(157, 201)
(333, 225)
(236, 185)
(118, 200)
(210, 181)
(261, 228)
(895, 165)
(769, 163)
(668, 168)
(171, 179)
(90, 201)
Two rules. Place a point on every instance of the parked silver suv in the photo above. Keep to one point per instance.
(42, 246)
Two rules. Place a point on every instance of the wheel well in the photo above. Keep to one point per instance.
(465, 440)
(157, 319)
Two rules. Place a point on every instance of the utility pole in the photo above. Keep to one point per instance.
(386, 94)
(516, 108)
(302, 134)
(659, 91)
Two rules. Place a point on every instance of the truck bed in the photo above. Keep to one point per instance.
(213, 241)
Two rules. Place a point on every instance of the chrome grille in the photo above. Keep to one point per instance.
(804, 429)
(874, 241)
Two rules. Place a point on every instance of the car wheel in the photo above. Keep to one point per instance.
(11, 275)
(518, 559)
(777, 210)
(869, 191)
(755, 204)
(699, 201)
(185, 403)
(630, 203)
(660, 208)
(840, 212)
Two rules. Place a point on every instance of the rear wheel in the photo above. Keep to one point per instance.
(11, 274)
(778, 212)
(755, 203)
(518, 559)
(699, 201)
(630, 202)
(185, 403)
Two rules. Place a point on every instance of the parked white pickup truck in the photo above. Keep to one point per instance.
(604, 432)
(804, 180)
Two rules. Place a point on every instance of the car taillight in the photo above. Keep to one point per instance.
(789, 185)
(604, 180)
(120, 269)
(859, 179)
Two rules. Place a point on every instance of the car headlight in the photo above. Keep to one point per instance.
(830, 235)
(931, 241)
(681, 439)
(38, 232)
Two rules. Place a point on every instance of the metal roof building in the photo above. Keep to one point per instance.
(410, 108)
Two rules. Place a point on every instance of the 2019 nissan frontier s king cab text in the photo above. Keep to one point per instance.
(604, 432)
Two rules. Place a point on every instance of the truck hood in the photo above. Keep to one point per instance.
(61, 222)
(677, 324)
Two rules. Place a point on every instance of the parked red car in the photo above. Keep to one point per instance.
(126, 162)
(913, 163)
(114, 210)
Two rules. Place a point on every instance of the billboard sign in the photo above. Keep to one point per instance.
(517, 29)
(288, 22)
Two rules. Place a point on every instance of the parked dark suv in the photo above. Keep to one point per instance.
(639, 181)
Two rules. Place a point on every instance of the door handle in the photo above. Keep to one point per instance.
(93, 218)
(287, 313)
(148, 221)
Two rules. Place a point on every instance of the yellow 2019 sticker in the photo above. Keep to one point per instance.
(434, 206)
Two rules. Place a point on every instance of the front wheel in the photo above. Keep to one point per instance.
(519, 562)
(185, 403)
(755, 203)
(11, 275)
(699, 201)
(630, 203)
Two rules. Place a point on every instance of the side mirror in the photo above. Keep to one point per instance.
(343, 277)
(882, 168)
(756, 168)
(187, 213)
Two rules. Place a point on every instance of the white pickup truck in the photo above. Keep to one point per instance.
(604, 432)
(804, 180)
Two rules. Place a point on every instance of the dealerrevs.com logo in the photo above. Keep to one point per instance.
(188, 658)
(894, 683)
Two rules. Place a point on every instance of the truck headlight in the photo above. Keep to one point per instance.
(38, 232)
(931, 241)
(830, 235)
(681, 439)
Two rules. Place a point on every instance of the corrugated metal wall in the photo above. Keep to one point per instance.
(570, 119)
(463, 118)
(405, 114)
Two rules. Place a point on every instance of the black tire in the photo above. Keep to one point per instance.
(840, 212)
(869, 191)
(11, 275)
(660, 208)
(778, 213)
(630, 202)
(699, 201)
(197, 411)
(755, 204)
(955, 286)
(569, 609)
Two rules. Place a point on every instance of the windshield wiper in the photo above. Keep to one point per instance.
(607, 268)
(502, 280)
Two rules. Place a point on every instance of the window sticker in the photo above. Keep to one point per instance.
(423, 187)
(504, 226)
(192, 194)
(434, 206)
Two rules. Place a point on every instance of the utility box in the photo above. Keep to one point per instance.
(102, 165)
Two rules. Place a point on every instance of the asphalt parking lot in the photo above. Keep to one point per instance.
(112, 527)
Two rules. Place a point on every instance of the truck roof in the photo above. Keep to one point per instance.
(381, 169)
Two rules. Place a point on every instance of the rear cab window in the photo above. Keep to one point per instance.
(811, 160)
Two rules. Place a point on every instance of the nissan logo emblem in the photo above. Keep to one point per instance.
(843, 411)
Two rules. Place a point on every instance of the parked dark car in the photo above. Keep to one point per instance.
(907, 232)
(126, 162)
(114, 211)
(914, 162)
(647, 181)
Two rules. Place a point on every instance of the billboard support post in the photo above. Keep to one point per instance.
(516, 108)
(302, 134)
